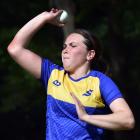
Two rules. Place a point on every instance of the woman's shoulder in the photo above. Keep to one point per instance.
(99, 74)
(52, 65)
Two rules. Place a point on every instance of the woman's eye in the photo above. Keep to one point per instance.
(73, 46)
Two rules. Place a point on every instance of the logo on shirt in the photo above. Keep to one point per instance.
(56, 83)
(88, 93)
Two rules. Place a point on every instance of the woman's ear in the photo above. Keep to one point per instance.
(90, 55)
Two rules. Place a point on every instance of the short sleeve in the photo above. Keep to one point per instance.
(46, 68)
(109, 89)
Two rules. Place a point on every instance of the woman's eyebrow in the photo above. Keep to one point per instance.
(70, 43)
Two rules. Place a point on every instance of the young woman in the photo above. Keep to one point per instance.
(78, 96)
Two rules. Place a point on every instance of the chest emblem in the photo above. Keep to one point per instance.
(88, 93)
(56, 83)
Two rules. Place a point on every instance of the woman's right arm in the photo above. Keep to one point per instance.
(17, 48)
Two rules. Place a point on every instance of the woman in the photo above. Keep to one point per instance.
(78, 97)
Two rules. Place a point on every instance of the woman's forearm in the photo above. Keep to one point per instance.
(25, 34)
(114, 121)
(121, 118)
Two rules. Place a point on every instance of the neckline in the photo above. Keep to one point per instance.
(83, 77)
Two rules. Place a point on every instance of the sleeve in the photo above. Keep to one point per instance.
(46, 69)
(109, 89)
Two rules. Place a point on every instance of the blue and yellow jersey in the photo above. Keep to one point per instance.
(95, 91)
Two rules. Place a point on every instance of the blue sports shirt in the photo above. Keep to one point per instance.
(95, 91)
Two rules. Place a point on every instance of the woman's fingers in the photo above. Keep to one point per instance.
(54, 14)
(74, 97)
(79, 107)
(77, 101)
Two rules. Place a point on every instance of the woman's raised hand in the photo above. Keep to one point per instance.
(53, 16)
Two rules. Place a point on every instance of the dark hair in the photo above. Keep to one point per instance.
(93, 43)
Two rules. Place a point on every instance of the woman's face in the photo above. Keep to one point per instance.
(74, 53)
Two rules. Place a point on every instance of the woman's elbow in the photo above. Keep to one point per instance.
(13, 49)
(129, 123)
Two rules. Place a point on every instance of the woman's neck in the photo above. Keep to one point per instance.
(80, 72)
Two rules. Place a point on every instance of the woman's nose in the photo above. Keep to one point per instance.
(66, 49)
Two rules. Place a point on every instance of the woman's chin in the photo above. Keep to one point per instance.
(67, 68)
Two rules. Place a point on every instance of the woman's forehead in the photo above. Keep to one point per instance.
(74, 37)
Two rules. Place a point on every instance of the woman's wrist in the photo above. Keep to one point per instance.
(85, 117)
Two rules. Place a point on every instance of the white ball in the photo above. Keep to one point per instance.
(63, 17)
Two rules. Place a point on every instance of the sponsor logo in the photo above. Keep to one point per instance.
(88, 93)
(56, 83)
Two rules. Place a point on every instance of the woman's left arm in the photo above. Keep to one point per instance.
(121, 117)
